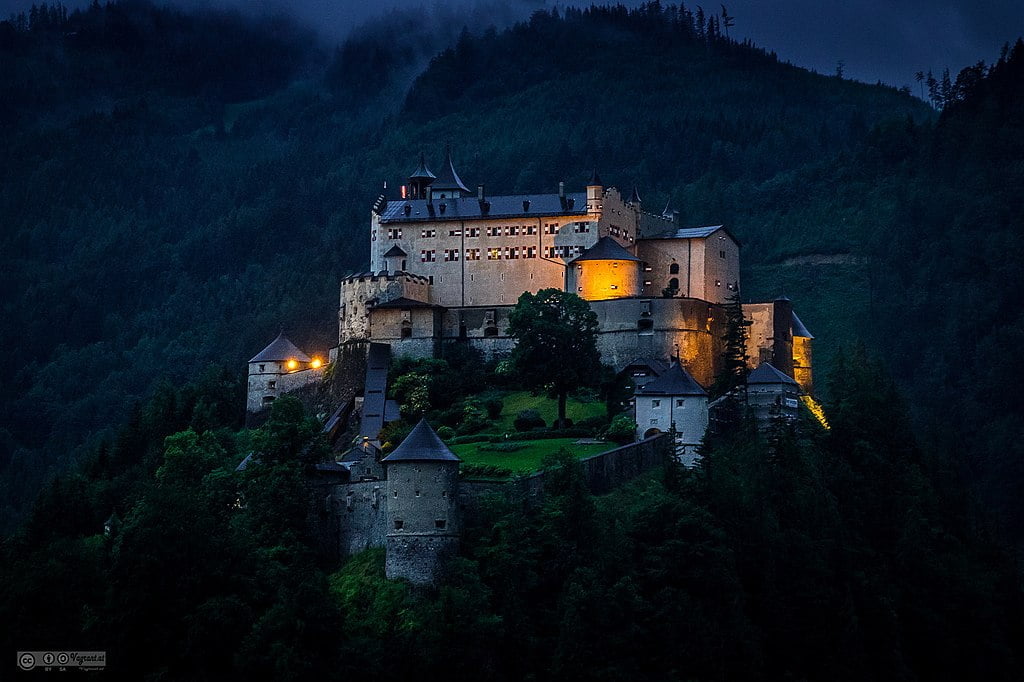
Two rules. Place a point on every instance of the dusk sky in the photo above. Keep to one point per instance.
(886, 40)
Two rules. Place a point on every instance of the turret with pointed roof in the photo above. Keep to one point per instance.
(420, 179)
(448, 183)
(422, 511)
(280, 349)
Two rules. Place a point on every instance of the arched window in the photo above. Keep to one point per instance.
(674, 283)
(673, 269)
(644, 324)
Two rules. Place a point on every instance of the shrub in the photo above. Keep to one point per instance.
(488, 470)
(473, 419)
(593, 424)
(527, 420)
(493, 407)
(445, 433)
(622, 430)
(505, 446)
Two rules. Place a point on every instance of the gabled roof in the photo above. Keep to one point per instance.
(656, 365)
(422, 172)
(531, 206)
(403, 303)
(281, 349)
(767, 374)
(694, 233)
(448, 179)
(395, 252)
(674, 381)
(422, 445)
(606, 248)
(799, 329)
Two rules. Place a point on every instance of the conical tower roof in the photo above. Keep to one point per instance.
(606, 248)
(448, 180)
(422, 445)
(595, 179)
(281, 349)
(422, 172)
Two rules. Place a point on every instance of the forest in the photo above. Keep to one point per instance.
(179, 185)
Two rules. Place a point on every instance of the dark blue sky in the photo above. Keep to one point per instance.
(884, 40)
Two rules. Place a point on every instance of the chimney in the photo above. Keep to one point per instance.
(526, 205)
(480, 193)
(561, 190)
(429, 195)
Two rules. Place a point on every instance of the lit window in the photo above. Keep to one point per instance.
(494, 253)
(472, 254)
(718, 282)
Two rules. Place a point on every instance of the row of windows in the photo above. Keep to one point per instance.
(680, 402)
(495, 253)
(492, 231)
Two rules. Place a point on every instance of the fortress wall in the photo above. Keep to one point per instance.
(682, 326)
(362, 516)
(603, 473)
(358, 292)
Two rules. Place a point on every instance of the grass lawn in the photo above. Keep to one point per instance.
(515, 402)
(529, 458)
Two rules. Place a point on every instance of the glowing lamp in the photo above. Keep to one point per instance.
(292, 364)
(316, 363)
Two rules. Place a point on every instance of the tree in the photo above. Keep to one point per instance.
(556, 343)
(919, 77)
(733, 373)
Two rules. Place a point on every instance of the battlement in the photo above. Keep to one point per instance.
(385, 276)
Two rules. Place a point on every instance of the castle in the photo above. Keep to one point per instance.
(448, 264)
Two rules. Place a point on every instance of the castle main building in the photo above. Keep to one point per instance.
(449, 263)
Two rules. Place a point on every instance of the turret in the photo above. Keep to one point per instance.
(422, 514)
(604, 271)
(448, 184)
(802, 360)
(271, 368)
(673, 402)
(595, 196)
(420, 179)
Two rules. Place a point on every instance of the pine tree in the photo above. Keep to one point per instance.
(733, 373)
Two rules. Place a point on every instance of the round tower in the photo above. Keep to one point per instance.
(423, 523)
(269, 367)
(605, 271)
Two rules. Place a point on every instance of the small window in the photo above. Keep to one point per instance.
(417, 493)
(674, 284)
(655, 403)
(673, 269)
(440, 523)
(267, 399)
(263, 368)
(399, 523)
(271, 384)
(396, 493)
(679, 402)
(490, 331)
(721, 254)
(406, 332)
(718, 282)
(645, 324)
